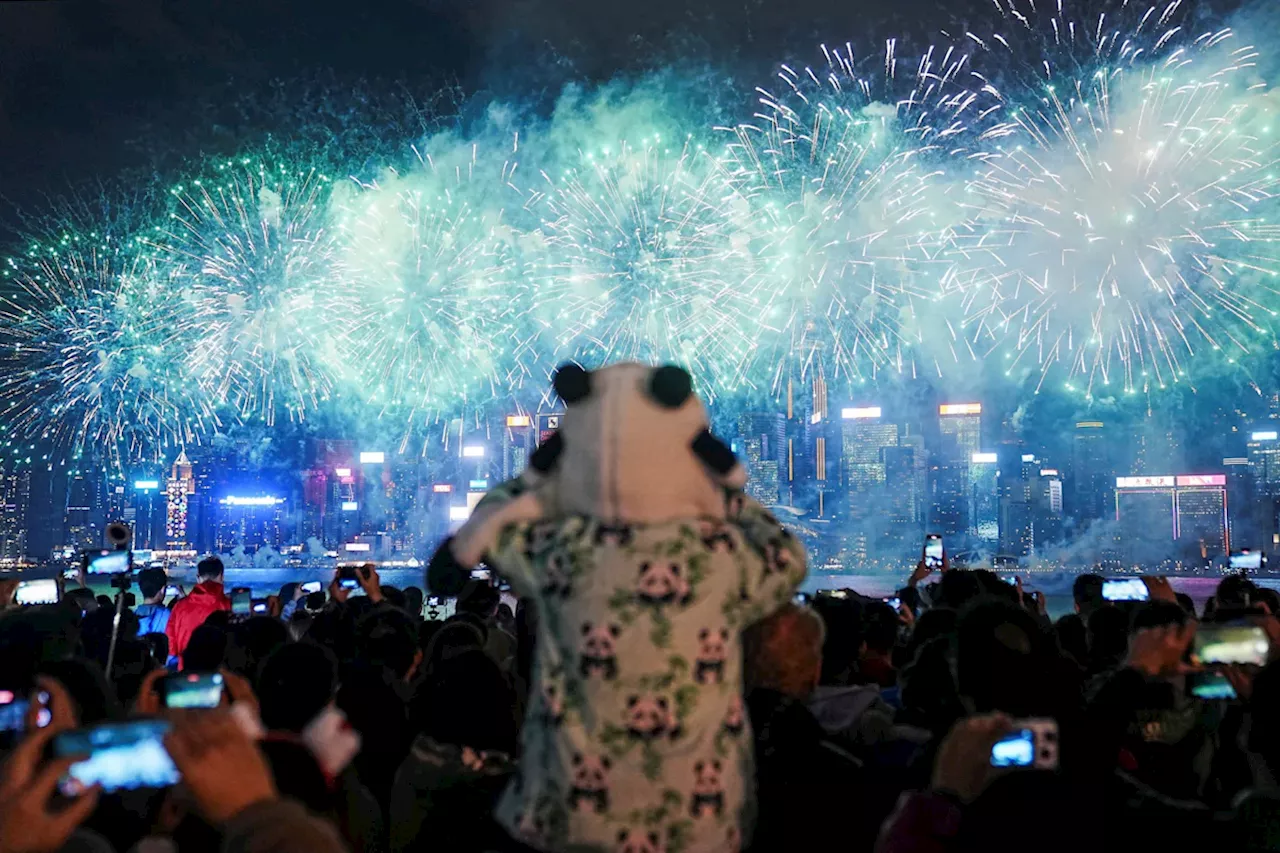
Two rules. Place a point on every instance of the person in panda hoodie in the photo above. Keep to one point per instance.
(631, 534)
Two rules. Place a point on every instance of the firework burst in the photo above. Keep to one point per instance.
(1119, 219)
(249, 254)
(93, 360)
(847, 168)
(645, 259)
(431, 280)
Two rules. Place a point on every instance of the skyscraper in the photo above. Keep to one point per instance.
(984, 500)
(179, 488)
(82, 523)
(865, 436)
(960, 431)
(762, 437)
(1164, 516)
(15, 502)
(1092, 472)
(1202, 515)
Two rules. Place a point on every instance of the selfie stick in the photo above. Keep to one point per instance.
(120, 536)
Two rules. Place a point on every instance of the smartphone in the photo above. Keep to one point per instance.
(895, 603)
(1210, 685)
(241, 599)
(801, 599)
(43, 591)
(933, 551)
(834, 593)
(118, 756)
(258, 607)
(1032, 743)
(1245, 560)
(480, 574)
(1125, 589)
(1230, 643)
(14, 708)
(1011, 580)
(107, 562)
(172, 591)
(436, 608)
(347, 577)
(192, 690)
(312, 586)
(72, 573)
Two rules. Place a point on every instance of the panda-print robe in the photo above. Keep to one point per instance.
(635, 740)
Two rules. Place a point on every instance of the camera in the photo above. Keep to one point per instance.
(1032, 743)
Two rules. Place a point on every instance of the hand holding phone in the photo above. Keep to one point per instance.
(116, 756)
(191, 690)
(241, 601)
(1033, 743)
(221, 767)
(310, 587)
(32, 814)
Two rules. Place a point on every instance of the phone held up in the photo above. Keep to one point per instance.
(1033, 743)
(933, 552)
(118, 756)
(191, 690)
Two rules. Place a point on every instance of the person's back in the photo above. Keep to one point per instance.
(190, 613)
(153, 616)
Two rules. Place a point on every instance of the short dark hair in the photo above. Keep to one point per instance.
(1087, 592)
(387, 639)
(151, 582)
(209, 568)
(478, 598)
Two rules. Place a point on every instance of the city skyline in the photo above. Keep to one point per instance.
(863, 482)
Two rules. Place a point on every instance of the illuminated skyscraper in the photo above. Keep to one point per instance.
(1093, 472)
(518, 441)
(762, 440)
(178, 490)
(865, 438)
(960, 430)
(1264, 461)
(1167, 516)
(15, 503)
(960, 425)
(83, 524)
(984, 499)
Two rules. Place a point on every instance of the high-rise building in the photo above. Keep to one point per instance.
(865, 437)
(984, 499)
(902, 499)
(82, 522)
(1263, 450)
(1168, 516)
(1047, 508)
(1016, 485)
(145, 513)
(178, 491)
(762, 438)
(1092, 472)
(249, 523)
(518, 441)
(960, 433)
(15, 504)
(1246, 519)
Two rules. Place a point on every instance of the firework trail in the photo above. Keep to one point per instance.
(431, 281)
(249, 252)
(646, 259)
(91, 356)
(847, 167)
(1119, 210)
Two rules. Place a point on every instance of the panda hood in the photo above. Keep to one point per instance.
(633, 446)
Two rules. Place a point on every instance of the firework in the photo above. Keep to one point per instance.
(248, 253)
(431, 279)
(644, 259)
(92, 357)
(847, 167)
(1119, 212)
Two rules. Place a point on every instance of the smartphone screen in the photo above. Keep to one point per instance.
(933, 551)
(1230, 644)
(241, 600)
(801, 599)
(192, 690)
(436, 608)
(1245, 560)
(312, 586)
(107, 562)
(120, 756)
(479, 574)
(172, 591)
(1211, 685)
(1124, 589)
(259, 607)
(1016, 749)
(347, 577)
(895, 603)
(43, 591)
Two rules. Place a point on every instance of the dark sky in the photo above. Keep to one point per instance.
(94, 89)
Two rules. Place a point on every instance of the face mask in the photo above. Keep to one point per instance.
(331, 740)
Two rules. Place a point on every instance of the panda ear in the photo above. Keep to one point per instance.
(543, 459)
(670, 386)
(572, 383)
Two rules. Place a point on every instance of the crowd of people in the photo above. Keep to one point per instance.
(350, 722)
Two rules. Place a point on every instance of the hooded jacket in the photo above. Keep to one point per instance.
(188, 614)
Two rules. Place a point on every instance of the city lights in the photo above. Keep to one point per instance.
(1265, 435)
(372, 457)
(859, 412)
(350, 506)
(960, 409)
(478, 485)
(342, 472)
(254, 501)
(519, 420)
(442, 488)
(459, 513)
(146, 485)
(473, 451)
(358, 546)
(983, 457)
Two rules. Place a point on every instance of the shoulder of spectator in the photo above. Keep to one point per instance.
(279, 826)
(922, 822)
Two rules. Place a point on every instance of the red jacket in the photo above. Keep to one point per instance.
(189, 613)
